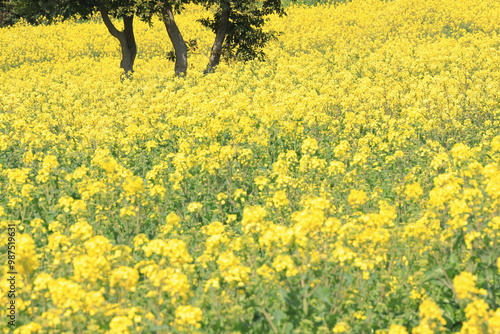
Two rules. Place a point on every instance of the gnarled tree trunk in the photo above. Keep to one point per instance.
(180, 47)
(125, 37)
(220, 35)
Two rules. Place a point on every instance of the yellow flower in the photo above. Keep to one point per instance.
(280, 199)
(212, 283)
(214, 228)
(140, 239)
(26, 257)
(19, 175)
(493, 186)
(285, 262)
(94, 301)
(239, 195)
(109, 164)
(221, 197)
(175, 249)
(231, 218)
(175, 283)
(440, 160)
(187, 316)
(261, 182)
(309, 146)
(231, 270)
(97, 246)
(227, 260)
(81, 230)
(120, 325)
(461, 152)
(49, 164)
(172, 221)
(194, 206)
(413, 191)
(495, 144)
(342, 149)
(88, 268)
(336, 167)
(124, 277)
(66, 294)
(266, 272)
(397, 329)
(494, 323)
(253, 218)
(78, 206)
(477, 315)
(30, 328)
(431, 317)
(470, 237)
(430, 310)
(41, 281)
(130, 210)
(465, 285)
(477, 309)
(341, 327)
(133, 185)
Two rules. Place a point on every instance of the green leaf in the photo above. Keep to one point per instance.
(288, 328)
(278, 316)
(324, 293)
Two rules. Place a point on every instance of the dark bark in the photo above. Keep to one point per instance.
(129, 47)
(220, 35)
(125, 37)
(180, 47)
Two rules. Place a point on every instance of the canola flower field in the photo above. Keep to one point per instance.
(348, 184)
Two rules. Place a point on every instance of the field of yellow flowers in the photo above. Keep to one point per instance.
(349, 184)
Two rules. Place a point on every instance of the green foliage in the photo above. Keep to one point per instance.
(245, 37)
(47, 10)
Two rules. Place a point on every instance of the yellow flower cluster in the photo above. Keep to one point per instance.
(187, 315)
(431, 318)
(465, 286)
(348, 184)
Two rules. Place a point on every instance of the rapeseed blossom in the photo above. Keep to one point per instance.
(187, 315)
(465, 286)
(357, 197)
(125, 277)
(133, 185)
(27, 258)
(120, 325)
(397, 329)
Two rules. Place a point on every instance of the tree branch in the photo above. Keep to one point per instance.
(220, 35)
(107, 21)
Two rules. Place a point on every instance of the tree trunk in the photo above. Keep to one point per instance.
(125, 37)
(220, 35)
(180, 47)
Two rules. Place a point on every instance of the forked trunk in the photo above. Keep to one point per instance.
(220, 35)
(125, 37)
(180, 47)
